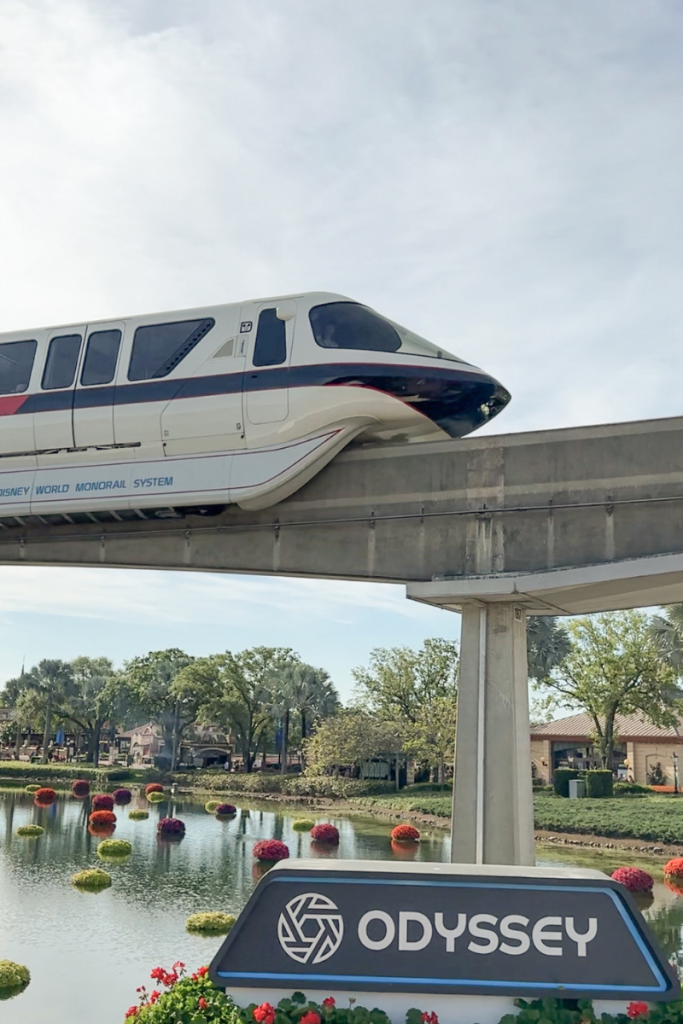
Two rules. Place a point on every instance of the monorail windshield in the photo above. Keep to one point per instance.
(348, 325)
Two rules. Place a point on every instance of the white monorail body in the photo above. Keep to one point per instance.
(192, 410)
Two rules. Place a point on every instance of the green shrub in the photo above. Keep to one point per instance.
(303, 825)
(13, 978)
(138, 815)
(289, 785)
(156, 798)
(630, 789)
(54, 772)
(30, 831)
(92, 879)
(210, 923)
(116, 848)
(599, 783)
(121, 775)
(561, 778)
(211, 805)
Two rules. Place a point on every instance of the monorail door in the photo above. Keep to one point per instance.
(52, 423)
(269, 346)
(93, 408)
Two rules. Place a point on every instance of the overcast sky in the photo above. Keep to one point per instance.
(503, 176)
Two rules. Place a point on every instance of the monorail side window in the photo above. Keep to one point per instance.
(350, 325)
(158, 348)
(101, 355)
(62, 358)
(16, 363)
(271, 340)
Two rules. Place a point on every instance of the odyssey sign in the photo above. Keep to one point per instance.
(446, 928)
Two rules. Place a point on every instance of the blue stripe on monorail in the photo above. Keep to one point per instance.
(388, 378)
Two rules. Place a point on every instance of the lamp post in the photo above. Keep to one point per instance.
(674, 758)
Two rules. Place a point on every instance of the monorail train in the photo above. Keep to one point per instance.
(243, 403)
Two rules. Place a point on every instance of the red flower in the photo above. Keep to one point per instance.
(639, 1009)
(154, 996)
(325, 834)
(271, 849)
(265, 1014)
(202, 1004)
(330, 1001)
(157, 974)
(405, 834)
(171, 827)
(178, 965)
(311, 1017)
(102, 802)
(429, 1018)
(132, 1011)
(201, 971)
(634, 879)
(44, 795)
(153, 787)
(673, 868)
(102, 818)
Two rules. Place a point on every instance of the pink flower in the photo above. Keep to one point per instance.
(271, 849)
(325, 833)
(265, 1014)
(634, 879)
(637, 1010)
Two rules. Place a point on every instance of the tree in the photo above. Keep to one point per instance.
(432, 738)
(547, 645)
(666, 631)
(303, 690)
(170, 698)
(97, 694)
(48, 682)
(349, 738)
(243, 698)
(401, 681)
(614, 667)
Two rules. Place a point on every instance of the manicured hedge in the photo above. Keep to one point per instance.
(561, 778)
(599, 783)
(289, 785)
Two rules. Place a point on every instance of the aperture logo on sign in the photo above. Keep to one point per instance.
(443, 928)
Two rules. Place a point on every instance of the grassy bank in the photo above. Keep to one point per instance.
(657, 819)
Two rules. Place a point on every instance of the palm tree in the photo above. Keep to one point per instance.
(666, 631)
(49, 681)
(302, 690)
(548, 644)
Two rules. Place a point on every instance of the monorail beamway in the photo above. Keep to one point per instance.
(554, 522)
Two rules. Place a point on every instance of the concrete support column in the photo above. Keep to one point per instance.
(493, 819)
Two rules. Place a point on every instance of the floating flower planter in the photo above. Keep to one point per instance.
(210, 923)
(325, 834)
(122, 796)
(102, 819)
(155, 797)
(44, 795)
(171, 828)
(405, 834)
(271, 850)
(138, 815)
(114, 849)
(153, 787)
(674, 868)
(303, 825)
(13, 979)
(634, 879)
(211, 805)
(31, 788)
(80, 787)
(91, 880)
(102, 802)
(30, 831)
(225, 811)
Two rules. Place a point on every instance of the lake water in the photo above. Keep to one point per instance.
(87, 952)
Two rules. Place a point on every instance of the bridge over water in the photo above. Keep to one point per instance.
(498, 527)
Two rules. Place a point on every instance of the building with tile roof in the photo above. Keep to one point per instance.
(640, 747)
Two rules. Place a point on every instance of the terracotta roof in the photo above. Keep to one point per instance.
(628, 727)
(147, 729)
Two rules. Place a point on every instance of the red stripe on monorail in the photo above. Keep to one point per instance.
(10, 403)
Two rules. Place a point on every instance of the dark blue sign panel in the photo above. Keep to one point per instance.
(352, 926)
